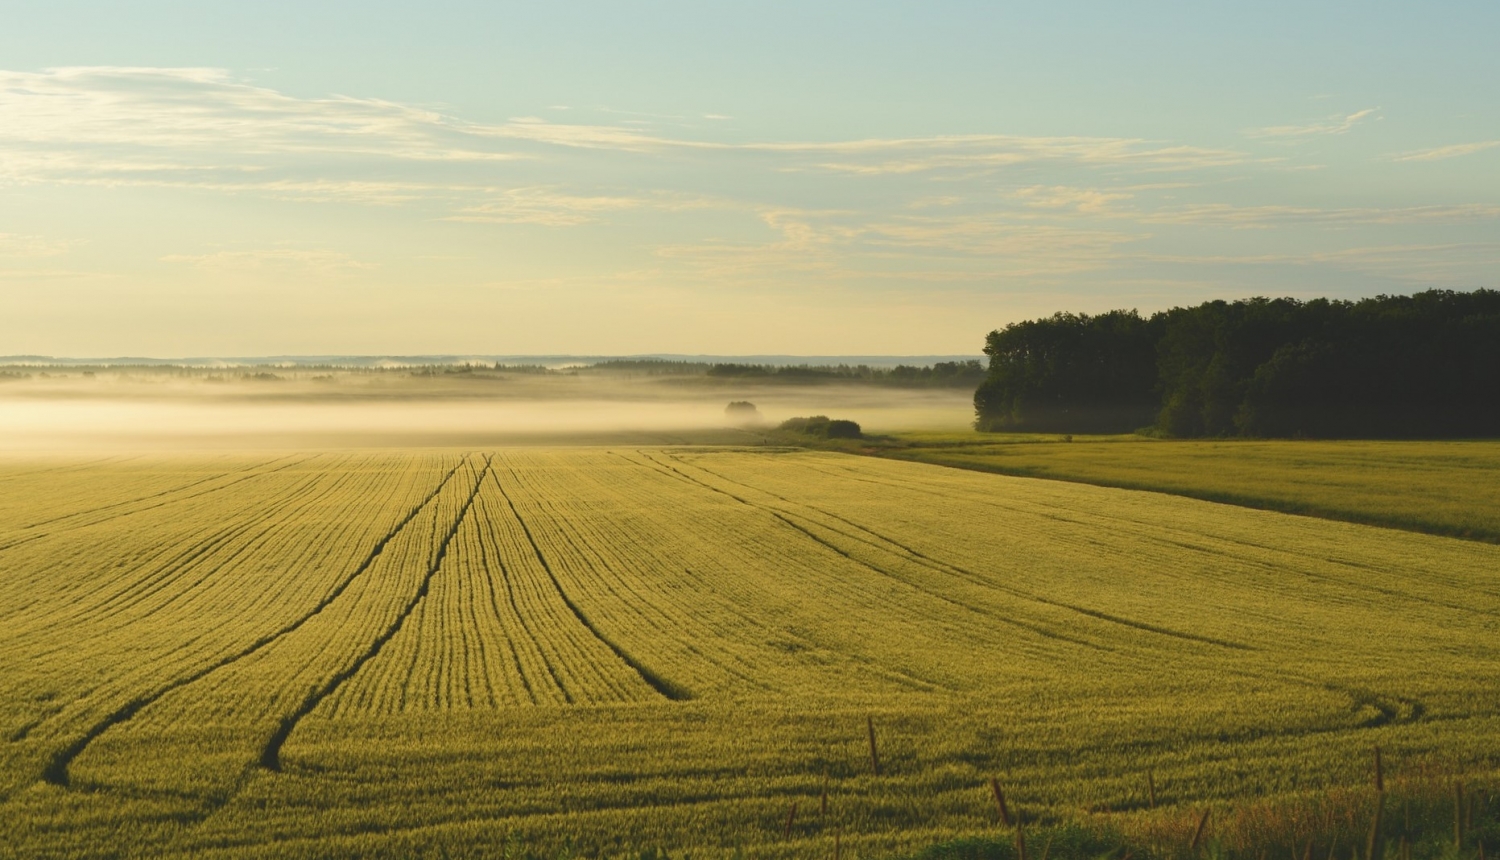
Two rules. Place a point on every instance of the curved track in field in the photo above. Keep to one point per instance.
(56, 771)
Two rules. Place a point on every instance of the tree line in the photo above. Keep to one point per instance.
(942, 374)
(1424, 365)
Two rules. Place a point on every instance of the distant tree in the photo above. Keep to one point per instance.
(738, 370)
(943, 374)
(838, 428)
(1071, 372)
(742, 413)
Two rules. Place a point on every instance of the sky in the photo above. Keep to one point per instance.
(276, 178)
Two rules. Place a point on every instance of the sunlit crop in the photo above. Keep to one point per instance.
(419, 654)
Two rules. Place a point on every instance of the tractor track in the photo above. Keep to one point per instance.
(56, 771)
(666, 688)
(270, 756)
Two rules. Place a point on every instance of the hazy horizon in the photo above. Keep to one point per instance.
(138, 410)
(378, 360)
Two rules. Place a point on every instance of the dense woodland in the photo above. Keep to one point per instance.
(1425, 365)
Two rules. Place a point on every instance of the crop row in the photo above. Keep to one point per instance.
(126, 608)
(317, 654)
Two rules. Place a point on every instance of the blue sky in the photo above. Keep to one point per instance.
(236, 178)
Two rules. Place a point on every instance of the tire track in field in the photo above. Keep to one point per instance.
(1231, 539)
(887, 672)
(1404, 711)
(785, 520)
(84, 465)
(168, 573)
(270, 756)
(180, 488)
(159, 494)
(39, 536)
(940, 565)
(1386, 713)
(978, 579)
(56, 771)
(667, 689)
(164, 574)
(510, 595)
(609, 552)
(170, 562)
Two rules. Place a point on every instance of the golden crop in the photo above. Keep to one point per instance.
(402, 654)
(1447, 487)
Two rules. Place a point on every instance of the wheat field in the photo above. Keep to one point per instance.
(399, 653)
(1446, 487)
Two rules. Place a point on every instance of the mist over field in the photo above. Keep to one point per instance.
(159, 411)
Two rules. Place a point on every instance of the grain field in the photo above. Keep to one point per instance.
(398, 653)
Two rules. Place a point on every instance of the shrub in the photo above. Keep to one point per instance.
(838, 428)
(822, 427)
(742, 413)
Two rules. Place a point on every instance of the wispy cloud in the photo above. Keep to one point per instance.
(193, 109)
(1226, 215)
(15, 246)
(990, 152)
(1452, 151)
(969, 208)
(1336, 124)
(1452, 263)
(836, 245)
(554, 208)
(107, 120)
(316, 261)
(1455, 263)
(1085, 200)
(1004, 246)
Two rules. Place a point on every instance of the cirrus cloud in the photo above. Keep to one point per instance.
(1452, 151)
(1336, 124)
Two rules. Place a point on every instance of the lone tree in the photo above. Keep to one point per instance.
(742, 413)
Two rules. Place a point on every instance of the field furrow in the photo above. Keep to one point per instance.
(64, 695)
(270, 756)
(500, 595)
(393, 653)
(56, 771)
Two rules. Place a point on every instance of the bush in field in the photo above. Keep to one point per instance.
(816, 425)
(841, 429)
(742, 413)
(822, 427)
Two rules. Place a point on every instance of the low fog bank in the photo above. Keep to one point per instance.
(165, 412)
(386, 362)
